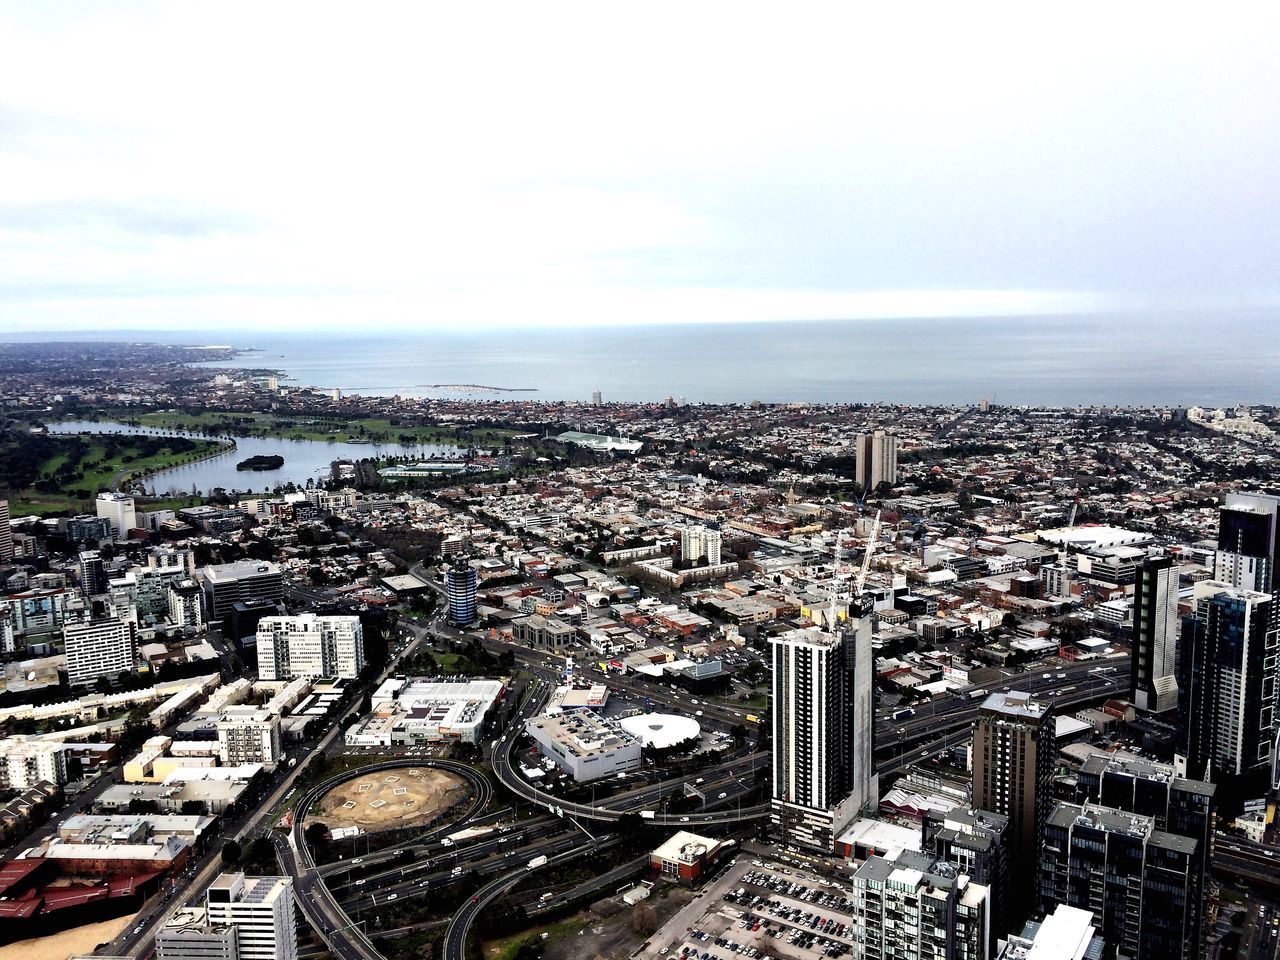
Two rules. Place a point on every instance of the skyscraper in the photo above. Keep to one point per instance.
(1226, 686)
(261, 910)
(876, 458)
(6, 533)
(1013, 751)
(460, 589)
(1155, 636)
(822, 733)
(1248, 547)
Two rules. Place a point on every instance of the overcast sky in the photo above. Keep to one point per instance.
(223, 166)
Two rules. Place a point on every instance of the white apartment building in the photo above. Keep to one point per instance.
(876, 458)
(185, 606)
(262, 911)
(98, 648)
(248, 735)
(700, 542)
(308, 645)
(24, 763)
(119, 511)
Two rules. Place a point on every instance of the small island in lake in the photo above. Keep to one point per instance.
(261, 462)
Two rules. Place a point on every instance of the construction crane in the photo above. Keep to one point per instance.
(861, 582)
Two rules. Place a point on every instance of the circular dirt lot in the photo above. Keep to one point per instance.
(390, 799)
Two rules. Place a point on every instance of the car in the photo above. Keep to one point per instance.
(360, 882)
(392, 896)
(722, 796)
(357, 860)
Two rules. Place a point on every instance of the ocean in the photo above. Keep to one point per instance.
(1128, 360)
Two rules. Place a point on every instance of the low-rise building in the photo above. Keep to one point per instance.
(584, 745)
(686, 856)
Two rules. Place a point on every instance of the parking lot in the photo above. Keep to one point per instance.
(761, 908)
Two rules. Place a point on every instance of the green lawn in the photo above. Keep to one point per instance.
(312, 428)
(97, 472)
(506, 947)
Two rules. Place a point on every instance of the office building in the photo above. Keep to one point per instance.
(118, 510)
(226, 584)
(700, 542)
(309, 645)
(460, 589)
(92, 574)
(1226, 686)
(100, 647)
(1142, 883)
(1013, 756)
(248, 735)
(909, 906)
(261, 909)
(823, 727)
(876, 459)
(6, 533)
(1153, 674)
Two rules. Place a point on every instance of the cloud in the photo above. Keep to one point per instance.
(433, 164)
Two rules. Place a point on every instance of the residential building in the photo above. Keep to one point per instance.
(1013, 756)
(99, 647)
(1155, 636)
(262, 911)
(184, 601)
(1226, 686)
(1248, 555)
(309, 645)
(1142, 883)
(701, 542)
(1176, 805)
(92, 574)
(460, 588)
(25, 762)
(976, 841)
(248, 735)
(86, 529)
(909, 906)
(118, 510)
(226, 584)
(6, 533)
(876, 459)
(823, 726)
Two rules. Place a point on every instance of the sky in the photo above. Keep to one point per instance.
(322, 166)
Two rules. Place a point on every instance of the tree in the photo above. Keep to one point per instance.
(316, 834)
(230, 853)
(644, 920)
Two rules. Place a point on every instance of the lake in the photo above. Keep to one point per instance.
(303, 459)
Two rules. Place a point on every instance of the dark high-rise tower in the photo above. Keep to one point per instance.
(1013, 753)
(1155, 635)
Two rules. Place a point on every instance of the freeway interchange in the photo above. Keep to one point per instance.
(330, 894)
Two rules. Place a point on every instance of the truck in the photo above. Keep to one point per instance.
(903, 714)
(647, 814)
(536, 862)
(975, 694)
